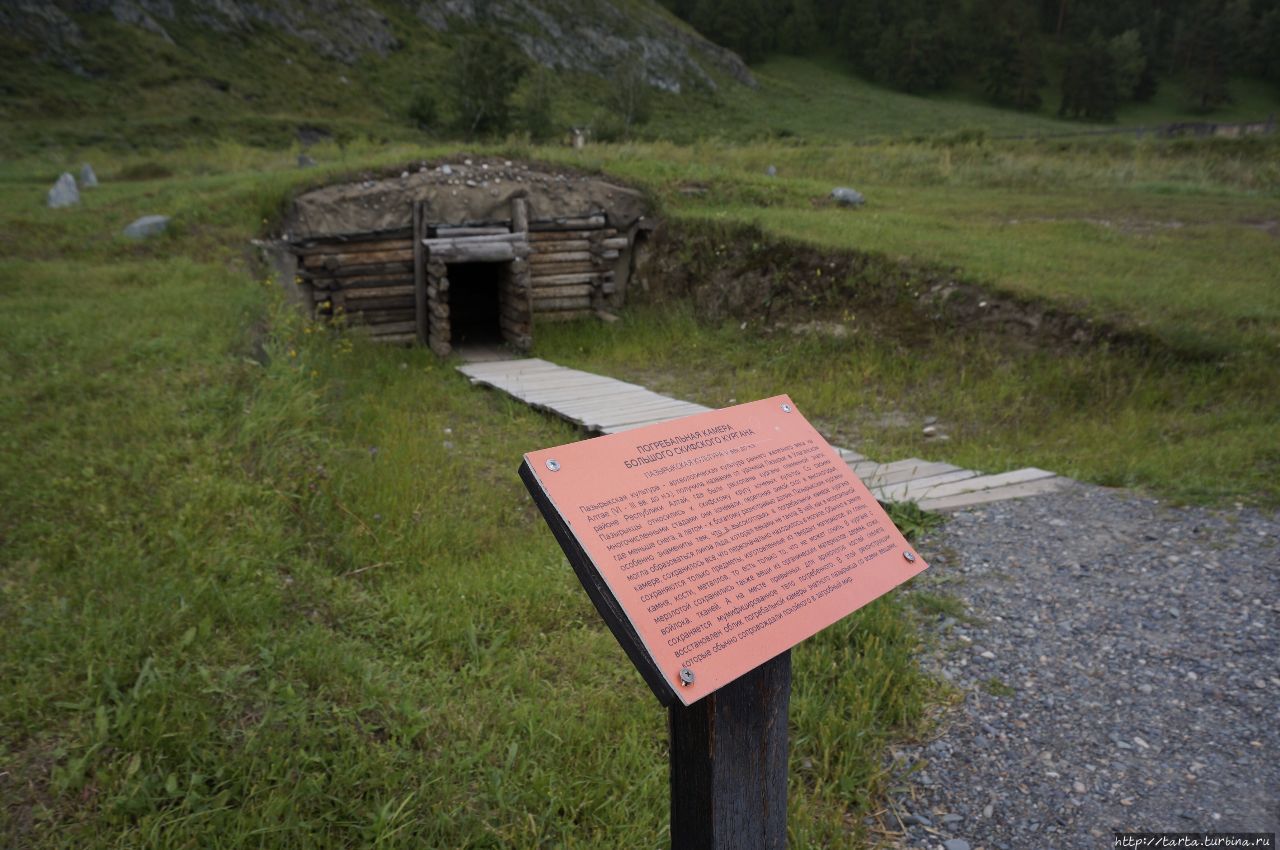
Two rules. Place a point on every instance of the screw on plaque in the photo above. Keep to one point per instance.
(910, 556)
(553, 465)
(786, 408)
(686, 677)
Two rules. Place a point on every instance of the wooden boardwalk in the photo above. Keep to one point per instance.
(601, 405)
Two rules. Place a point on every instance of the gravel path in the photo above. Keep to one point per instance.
(1121, 673)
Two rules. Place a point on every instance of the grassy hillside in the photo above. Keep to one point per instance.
(267, 88)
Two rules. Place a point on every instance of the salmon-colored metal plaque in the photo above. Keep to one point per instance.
(725, 538)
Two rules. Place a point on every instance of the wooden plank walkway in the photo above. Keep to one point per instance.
(601, 405)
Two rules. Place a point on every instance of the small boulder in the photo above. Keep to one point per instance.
(87, 178)
(847, 197)
(771, 171)
(148, 225)
(305, 161)
(64, 193)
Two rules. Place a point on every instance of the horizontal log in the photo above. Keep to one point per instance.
(616, 243)
(474, 240)
(393, 328)
(608, 255)
(380, 317)
(335, 283)
(447, 232)
(363, 270)
(570, 291)
(366, 304)
(545, 305)
(493, 253)
(399, 290)
(581, 223)
(571, 235)
(563, 280)
(351, 238)
(337, 261)
(537, 259)
(551, 269)
(608, 287)
(565, 315)
(396, 339)
(560, 245)
(322, 249)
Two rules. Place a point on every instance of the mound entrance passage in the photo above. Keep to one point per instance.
(463, 254)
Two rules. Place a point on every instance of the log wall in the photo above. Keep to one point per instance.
(365, 282)
(552, 271)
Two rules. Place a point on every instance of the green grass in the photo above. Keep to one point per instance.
(268, 586)
(1169, 243)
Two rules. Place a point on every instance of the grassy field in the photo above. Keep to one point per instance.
(1172, 244)
(265, 586)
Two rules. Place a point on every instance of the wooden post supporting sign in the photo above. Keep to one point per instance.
(711, 545)
(729, 763)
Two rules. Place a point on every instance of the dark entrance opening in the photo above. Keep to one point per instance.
(475, 305)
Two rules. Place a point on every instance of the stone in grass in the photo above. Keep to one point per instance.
(771, 171)
(305, 161)
(87, 178)
(148, 225)
(847, 197)
(64, 193)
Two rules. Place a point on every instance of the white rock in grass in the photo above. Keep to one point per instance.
(87, 178)
(64, 193)
(148, 225)
(847, 197)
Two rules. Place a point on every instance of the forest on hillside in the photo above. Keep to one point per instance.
(1099, 53)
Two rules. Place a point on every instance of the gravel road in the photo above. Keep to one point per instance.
(1121, 672)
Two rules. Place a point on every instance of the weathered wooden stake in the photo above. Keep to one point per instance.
(419, 273)
(729, 764)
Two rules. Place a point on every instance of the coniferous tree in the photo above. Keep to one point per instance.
(1089, 88)
(1206, 51)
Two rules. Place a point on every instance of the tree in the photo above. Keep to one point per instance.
(630, 98)
(799, 33)
(484, 74)
(1130, 62)
(1089, 87)
(422, 110)
(1210, 49)
(535, 107)
(1013, 73)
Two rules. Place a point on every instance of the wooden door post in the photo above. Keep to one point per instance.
(419, 272)
(729, 764)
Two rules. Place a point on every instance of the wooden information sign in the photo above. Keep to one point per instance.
(714, 543)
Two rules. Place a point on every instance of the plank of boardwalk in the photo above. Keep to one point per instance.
(997, 494)
(918, 488)
(609, 419)
(849, 455)
(987, 482)
(894, 473)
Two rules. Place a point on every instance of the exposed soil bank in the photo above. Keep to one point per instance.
(740, 272)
